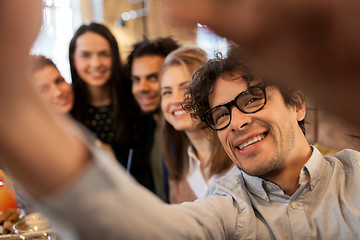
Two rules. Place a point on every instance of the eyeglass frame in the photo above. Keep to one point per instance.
(231, 103)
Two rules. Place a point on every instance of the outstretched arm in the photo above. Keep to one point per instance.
(73, 185)
(33, 142)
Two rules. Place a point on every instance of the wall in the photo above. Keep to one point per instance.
(153, 25)
(329, 131)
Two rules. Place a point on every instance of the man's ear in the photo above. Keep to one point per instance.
(298, 99)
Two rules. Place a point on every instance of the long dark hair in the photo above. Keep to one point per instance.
(119, 89)
(176, 143)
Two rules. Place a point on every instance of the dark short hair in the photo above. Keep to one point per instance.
(161, 46)
(38, 62)
(202, 85)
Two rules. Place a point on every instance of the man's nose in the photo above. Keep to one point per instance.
(56, 91)
(143, 85)
(239, 120)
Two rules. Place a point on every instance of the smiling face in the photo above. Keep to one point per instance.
(145, 82)
(264, 142)
(174, 82)
(54, 89)
(93, 59)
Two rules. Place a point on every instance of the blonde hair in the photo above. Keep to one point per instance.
(175, 143)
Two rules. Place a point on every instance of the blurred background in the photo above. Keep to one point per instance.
(131, 20)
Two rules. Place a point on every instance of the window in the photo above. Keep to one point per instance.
(57, 30)
(210, 42)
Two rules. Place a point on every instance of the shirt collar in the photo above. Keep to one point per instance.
(312, 169)
(255, 186)
(310, 173)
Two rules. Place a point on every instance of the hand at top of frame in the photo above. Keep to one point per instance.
(310, 44)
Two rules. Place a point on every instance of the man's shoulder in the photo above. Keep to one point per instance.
(348, 158)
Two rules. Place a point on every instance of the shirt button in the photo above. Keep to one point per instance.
(268, 186)
(294, 205)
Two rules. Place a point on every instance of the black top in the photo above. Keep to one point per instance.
(99, 121)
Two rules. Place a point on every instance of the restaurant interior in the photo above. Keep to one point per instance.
(131, 21)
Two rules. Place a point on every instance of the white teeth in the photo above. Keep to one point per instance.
(177, 113)
(251, 141)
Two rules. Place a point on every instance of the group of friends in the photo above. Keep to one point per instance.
(232, 107)
(124, 107)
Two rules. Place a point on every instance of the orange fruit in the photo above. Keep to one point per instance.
(7, 193)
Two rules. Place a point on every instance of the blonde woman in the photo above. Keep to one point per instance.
(194, 158)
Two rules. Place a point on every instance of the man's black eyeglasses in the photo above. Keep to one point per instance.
(248, 101)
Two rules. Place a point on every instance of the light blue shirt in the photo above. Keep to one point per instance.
(326, 205)
(103, 203)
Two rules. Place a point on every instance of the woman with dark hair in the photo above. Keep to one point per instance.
(194, 158)
(101, 94)
(103, 99)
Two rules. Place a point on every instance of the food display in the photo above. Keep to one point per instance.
(8, 219)
(15, 225)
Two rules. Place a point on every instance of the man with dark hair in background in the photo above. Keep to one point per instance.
(143, 66)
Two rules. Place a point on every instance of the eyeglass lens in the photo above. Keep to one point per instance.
(249, 101)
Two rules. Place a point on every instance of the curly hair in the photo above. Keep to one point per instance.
(233, 66)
